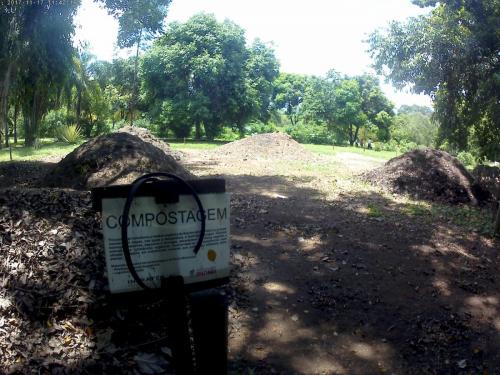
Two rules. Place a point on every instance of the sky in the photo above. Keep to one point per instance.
(309, 36)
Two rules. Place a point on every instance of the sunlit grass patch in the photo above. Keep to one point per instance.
(20, 153)
(469, 218)
(417, 209)
(194, 145)
(332, 150)
(373, 210)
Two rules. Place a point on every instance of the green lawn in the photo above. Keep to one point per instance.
(332, 150)
(193, 145)
(20, 152)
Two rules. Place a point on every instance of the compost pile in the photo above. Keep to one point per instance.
(147, 137)
(22, 173)
(489, 178)
(112, 159)
(56, 316)
(430, 175)
(265, 146)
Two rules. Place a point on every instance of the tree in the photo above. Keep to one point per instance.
(347, 104)
(138, 20)
(349, 108)
(44, 60)
(319, 99)
(452, 55)
(289, 92)
(262, 69)
(196, 75)
(414, 126)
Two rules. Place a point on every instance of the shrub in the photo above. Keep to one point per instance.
(70, 134)
(311, 133)
(53, 122)
(467, 159)
(229, 134)
(392, 145)
(405, 146)
(258, 127)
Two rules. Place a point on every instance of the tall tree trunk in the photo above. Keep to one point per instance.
(78, 107)
(351, 136)
(4, 104)
(197, 134)
(35, 112)
(134, 86)
(356, 132)
(16, 113)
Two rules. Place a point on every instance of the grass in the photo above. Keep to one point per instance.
(48, 148)
(467, 217)
(332, 150)
(374, 210)
(193, 145)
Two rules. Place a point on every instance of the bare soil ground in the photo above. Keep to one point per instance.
(330, 276)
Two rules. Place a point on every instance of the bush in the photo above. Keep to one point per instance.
(258, 127)
(311, 133)
(467, 159)
(102, 127)
(229, 134)
(53, 122)
(70, 134)
(405, 146)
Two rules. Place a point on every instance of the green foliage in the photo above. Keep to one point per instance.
(374, 210)
(137, 20)
(70, 134)
(467, 159)
(259, 127)
(201, 74)
(39, 48)
(311, 133)
(53, 122)
(229, 135)
(414, 127)
(289, 92)
(347, 105)
(452, 55)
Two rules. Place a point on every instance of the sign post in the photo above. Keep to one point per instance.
(173, 236)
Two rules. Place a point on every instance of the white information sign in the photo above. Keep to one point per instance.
(162, 237)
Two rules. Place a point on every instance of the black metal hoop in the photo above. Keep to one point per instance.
(126, 210)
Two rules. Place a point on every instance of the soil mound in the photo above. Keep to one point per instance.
(265, 146)
(146, 136)
(23, 173)
(112, 159)
(489, 179)
(431, 175)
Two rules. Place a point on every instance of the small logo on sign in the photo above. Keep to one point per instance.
(211, 255)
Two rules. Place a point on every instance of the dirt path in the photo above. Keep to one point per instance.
(322, 287)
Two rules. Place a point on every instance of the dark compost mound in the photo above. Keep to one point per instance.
(146, 136)
(489, 178)
(430, 175)
(265, 146)
(113, 159)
